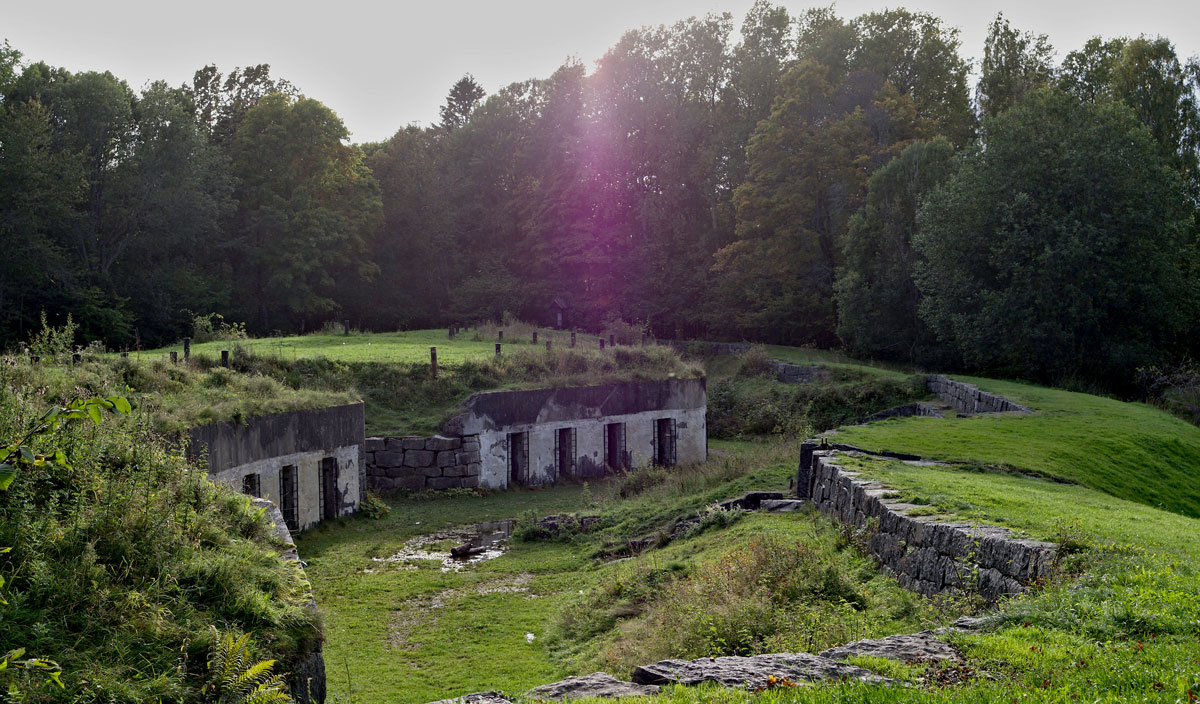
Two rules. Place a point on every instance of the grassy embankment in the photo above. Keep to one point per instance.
(120, 563)
(391, 371)
(1120, 623)
(409, 632)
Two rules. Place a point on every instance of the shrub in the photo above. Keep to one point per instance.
(374, 507)
(211, 327)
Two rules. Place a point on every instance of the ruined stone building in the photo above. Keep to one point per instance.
(504, 439)
(309, 463)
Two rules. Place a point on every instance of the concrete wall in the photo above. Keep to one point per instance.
(967, 398)
(264, 445)
(474, 449)
(691, 445)
(541, 412)
(926, 554)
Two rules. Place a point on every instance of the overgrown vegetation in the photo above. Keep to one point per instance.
(745, 400)
(123, 557)
(400, 394)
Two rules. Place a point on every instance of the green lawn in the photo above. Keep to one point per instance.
(407, 634)
(408, 347)
(1129, 450)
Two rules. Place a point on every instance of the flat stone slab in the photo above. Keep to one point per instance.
(597, 684)
(477, 698)
(910, 647)
(782, 505)
(751, 672)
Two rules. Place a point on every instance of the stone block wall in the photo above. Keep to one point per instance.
(927, 555)
(967, 398)
(416, 463)
(798, 373)
(907, 410)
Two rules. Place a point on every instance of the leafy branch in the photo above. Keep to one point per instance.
(18, 454)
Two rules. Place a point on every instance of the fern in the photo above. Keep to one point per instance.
(235, 679)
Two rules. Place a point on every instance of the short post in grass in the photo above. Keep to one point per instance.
(174, 357)
(187, 348)
(612, 340)
(497, 349)
(433, 361)
(500, 336)
(224, 358)
(535, 337)
(602, 343)
(450, 332)
(346, 327)
(572, 339)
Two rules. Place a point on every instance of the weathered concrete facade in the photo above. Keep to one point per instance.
(525, 438)
(309, 463)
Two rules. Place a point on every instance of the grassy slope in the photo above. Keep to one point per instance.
(120, 563)
(385, 644)
(1121, 623)
(1129, 450)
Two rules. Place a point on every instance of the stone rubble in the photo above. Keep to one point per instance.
(597, 684)
(910, 647)
(753, 671)
(477, 698)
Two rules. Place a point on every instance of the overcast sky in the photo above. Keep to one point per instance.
(381, 65)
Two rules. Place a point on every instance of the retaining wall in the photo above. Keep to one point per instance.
(927, 555)
(415, 463)
(306, 670)
(967, 398)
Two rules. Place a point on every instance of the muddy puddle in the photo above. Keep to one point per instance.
(486, 540)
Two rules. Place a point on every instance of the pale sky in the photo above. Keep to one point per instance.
(381, 66)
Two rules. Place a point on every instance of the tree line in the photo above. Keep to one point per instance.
(809, 179)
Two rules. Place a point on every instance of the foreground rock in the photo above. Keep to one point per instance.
(751, 672)
(597, 684)
(477, 698)
(910, 647)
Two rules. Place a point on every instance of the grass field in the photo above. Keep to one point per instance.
(415, 634)
(1129, 450)
(1120, 622)
(410, 347)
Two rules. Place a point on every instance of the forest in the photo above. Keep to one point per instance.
(804, 179)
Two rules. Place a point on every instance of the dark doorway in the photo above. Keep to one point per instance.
(614, 446)
(664, 442)
(518, 459)
(564, 452)
(250, 485)
(287, 496)
(330, 498)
